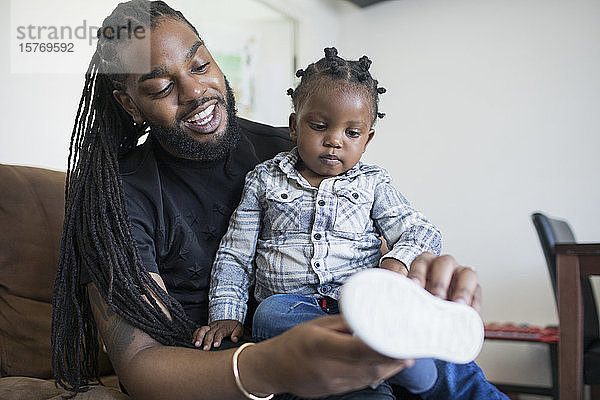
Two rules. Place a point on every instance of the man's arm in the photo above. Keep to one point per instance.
(149, 370)
(286, 363)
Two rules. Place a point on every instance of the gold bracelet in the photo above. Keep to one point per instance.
(236, 375)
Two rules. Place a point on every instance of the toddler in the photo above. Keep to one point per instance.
(312, 217)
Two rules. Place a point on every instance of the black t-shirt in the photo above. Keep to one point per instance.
(180, 209)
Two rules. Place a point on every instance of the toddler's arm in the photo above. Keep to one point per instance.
(407, 232)
(394, 265)
(233, 272)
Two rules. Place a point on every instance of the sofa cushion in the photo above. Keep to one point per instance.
(31, 217)
(31, 213)
(21, 388)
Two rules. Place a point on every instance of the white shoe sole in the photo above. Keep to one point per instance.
(398, 318)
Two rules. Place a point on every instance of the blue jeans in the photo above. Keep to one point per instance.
(280, 312)
(432, 379)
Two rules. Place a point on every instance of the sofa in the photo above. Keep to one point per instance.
(31, 218)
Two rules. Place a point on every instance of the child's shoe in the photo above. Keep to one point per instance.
(400, 319)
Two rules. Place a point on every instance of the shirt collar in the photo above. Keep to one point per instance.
(287, 163)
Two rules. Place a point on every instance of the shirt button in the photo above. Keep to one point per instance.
(317, 236)
(321, 203)
(326, 288)
(284, 195)
(355, 195)
(317, 264)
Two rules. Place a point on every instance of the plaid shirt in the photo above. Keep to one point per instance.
(289, 237)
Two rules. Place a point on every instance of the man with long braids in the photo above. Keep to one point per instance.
(143, 223)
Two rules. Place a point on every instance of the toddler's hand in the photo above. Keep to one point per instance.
(214, 333)
(394, 265)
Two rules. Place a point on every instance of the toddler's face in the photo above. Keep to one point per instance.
(332, 128)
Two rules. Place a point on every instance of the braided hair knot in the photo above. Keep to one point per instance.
(330, 52)
(364, 63)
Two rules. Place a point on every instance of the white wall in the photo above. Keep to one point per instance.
(492, 113)
(38, 110)
(318, 25)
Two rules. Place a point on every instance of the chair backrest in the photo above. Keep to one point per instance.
(550, 232)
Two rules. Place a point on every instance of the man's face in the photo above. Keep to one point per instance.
(184, 98)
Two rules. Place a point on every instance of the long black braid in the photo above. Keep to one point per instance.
(96, 233)
(333, 67)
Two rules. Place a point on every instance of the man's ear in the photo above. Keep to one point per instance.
(128, 105)
(371, 134)
(293, 127)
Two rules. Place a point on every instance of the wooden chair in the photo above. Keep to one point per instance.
(579, 359)
(570, 264)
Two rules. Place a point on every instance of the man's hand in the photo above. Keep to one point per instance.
(345, 362)
(444, 277)
(213, 334)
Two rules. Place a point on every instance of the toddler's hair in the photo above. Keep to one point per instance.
(333, 67)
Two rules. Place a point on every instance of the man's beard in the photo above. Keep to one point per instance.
(180, 144)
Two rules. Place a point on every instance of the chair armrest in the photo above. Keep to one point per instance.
(578, 249)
